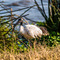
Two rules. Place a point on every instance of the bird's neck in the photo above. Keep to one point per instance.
(21, 23)
(21, 28)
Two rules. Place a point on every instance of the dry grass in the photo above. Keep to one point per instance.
(38, 53)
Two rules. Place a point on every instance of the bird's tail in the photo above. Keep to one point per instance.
(44, 30)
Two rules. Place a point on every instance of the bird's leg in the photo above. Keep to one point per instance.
(30, 43)
(35, 44)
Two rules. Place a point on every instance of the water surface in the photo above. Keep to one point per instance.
(34, 14)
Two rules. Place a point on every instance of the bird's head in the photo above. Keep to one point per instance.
(21, 21)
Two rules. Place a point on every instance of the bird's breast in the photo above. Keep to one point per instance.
(22, 29)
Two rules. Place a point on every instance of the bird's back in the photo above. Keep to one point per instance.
(32, 31)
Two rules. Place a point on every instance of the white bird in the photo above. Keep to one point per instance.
(30, 31)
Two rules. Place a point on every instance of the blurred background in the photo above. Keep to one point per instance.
(34, 14)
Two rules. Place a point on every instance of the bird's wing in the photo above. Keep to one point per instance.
(33, 30)
(29, 31)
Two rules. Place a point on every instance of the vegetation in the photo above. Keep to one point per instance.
(38, 53)
(53, 21)
(15, 47)
(52, 40)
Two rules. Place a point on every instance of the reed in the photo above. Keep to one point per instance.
(38, 53)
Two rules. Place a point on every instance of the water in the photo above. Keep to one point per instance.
(34, 14)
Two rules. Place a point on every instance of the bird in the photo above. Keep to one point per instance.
(31, 31)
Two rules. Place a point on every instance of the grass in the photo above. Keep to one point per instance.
(39, 52)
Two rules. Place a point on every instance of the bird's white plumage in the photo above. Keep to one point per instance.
(30, 31)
